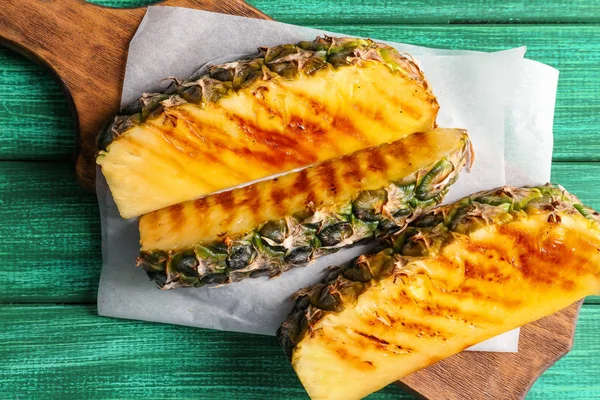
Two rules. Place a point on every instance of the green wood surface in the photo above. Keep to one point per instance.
(50, 231)
(426, 12)
(94, 357)
(303, 12)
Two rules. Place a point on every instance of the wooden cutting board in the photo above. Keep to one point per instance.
(85, 46)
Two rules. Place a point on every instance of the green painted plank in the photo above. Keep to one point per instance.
(579, 179)
(70, 352)
(415, 11)
(36, 122)
(50, 230)
(424, 12)
(35, 118)
(50, 247)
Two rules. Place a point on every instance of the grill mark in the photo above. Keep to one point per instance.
(568, 285)
(418, 328)
(200, 205)
(288, 148)
(352, 359)
(210, 155)
(165, 156)
(301, 184)
(252, 201)
(400, 151)
(529, 256)
(376, 161)
(272, 162)
(406, 109)
(525, 253)
(206, 153)
(482, 273)
(439, 310)
(303, 127)
(187, 119)
(270, 110)
(560, 253)
(486, 270)
(277, 160)
(421, 140)
(318, 109)
(384, 344)
(476, 293)
(278, 196)
(346, 126)
(329, 179)
(519, 262)
(175, 214)
(201, 153)
(412, 112)
(354, 172)
(317, 133)
(226, 200)
(342, 125)
(253, 132)
(372, 338)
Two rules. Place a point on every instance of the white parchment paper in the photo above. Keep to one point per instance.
(506, 102)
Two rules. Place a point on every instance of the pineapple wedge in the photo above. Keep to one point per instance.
(286, 107)
(272, 225)
(456, 276)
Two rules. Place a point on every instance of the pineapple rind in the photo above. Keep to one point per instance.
(310, 231)
(456, 276)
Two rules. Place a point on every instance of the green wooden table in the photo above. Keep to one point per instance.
(52, 342)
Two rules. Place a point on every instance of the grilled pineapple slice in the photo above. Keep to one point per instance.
(457, 276)
(286, 107)
(269, 226)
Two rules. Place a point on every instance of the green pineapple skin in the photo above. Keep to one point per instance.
(424, 236)
(261, 252)
(217, 81)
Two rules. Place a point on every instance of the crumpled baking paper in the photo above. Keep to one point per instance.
(505, 101)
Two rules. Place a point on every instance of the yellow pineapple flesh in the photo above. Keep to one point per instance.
(226, 133)
(267, 227)
(457, 276)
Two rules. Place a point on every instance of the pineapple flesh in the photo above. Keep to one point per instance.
(456, 276)
(272, 225)
(286, 107)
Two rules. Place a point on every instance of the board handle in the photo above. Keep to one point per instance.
(85, 45)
